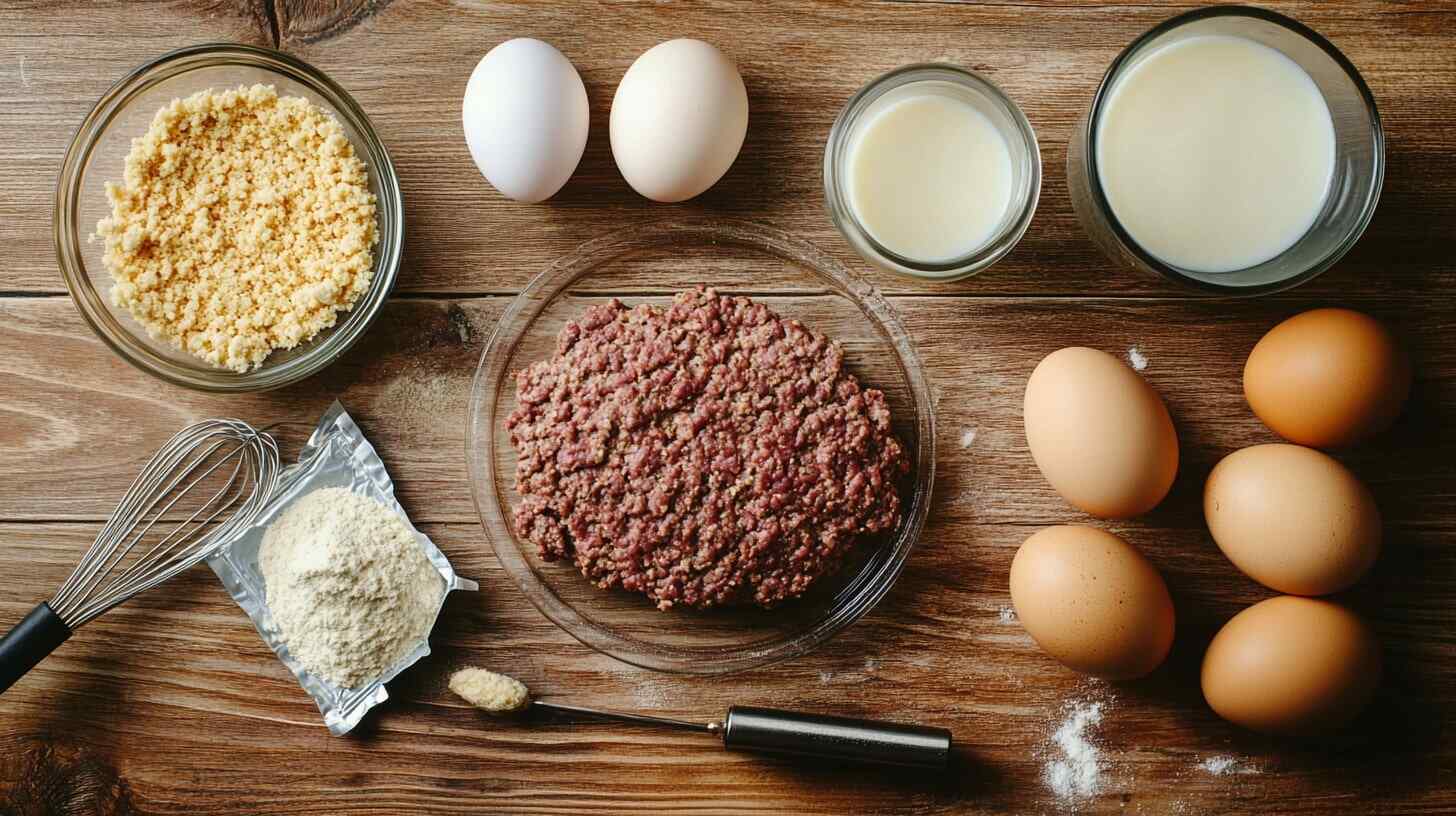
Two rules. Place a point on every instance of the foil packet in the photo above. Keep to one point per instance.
(336, 455)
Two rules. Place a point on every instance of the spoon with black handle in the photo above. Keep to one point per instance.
(743, 728)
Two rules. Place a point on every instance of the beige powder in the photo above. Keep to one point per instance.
(245, 224)
(485, 689)
(348, 585)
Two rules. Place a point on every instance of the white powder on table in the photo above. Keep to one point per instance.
(1136, 357)
(1075, 766)
(348, 585)
(648, 693)
(1226, 765)
(1075, 771)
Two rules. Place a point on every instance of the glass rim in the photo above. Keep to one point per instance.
(842, 214)
(89, 300)
(860, 595)
(1099, 197)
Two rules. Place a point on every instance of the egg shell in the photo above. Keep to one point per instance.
(679, 118)
(1099, 433)
(1327, 378)
(1092, 601)
(1292, 666)
(1292, 518)
(525, 118)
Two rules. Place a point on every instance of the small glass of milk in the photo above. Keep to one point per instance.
(1229, 148)
(932, 171)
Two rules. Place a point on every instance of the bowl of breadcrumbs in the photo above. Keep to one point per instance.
(227, 219)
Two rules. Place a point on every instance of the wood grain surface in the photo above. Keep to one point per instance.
(171, 704)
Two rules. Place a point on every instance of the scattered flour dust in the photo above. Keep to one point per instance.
(1006, 615)
(1073, 771)
(968, 438)
(1075, 765)
(418, 396)
(1226, 765)
(1136, 357)
(648, 693)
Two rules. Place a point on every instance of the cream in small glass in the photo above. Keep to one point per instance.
(929, 176)
(932, 171)
(1215, 152)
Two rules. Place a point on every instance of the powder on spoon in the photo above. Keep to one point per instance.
(487, 690)
(348, 585)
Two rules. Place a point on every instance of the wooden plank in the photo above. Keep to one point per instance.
(407, 64)
(938, 641)
(408, 383)
(148, 690)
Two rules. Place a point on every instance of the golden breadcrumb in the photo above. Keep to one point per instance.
(245, 225)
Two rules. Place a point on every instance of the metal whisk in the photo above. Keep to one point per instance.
(208, 483)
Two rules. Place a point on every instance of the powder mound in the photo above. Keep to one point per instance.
(485, 689)
(706, 454)
(245, 225)
(348, 585)
(1076, 771)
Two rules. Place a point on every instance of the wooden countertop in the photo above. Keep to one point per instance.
(171, 704)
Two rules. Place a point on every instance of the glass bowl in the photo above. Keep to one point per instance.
(98, 152)
(934, 79)
(1359, 169)
(649, 264)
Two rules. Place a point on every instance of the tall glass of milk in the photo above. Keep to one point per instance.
(932, 171)
(1230, 148)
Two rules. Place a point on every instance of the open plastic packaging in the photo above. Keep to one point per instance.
(335, 455)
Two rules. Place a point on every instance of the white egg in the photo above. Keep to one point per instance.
(678, 119)
(525, 117)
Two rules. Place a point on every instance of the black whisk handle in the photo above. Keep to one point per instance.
(29, 642)
(836, 738)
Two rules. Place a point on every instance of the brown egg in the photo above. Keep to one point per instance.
(1292, 666)
(1327, 378)
(1292, 519)
(1092, 601)
(1099, 433)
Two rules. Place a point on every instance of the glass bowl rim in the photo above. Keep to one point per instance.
(964, 266)
(124, 341)
(1099, 198)
(860, 596)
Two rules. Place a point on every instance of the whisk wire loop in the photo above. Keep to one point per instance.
(175, 543)
(105, 552)
(145, 543)
(183, 531)
(109, 551)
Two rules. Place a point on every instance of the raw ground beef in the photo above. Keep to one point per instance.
(708, 454)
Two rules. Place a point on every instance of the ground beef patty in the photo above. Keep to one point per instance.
(707, 454)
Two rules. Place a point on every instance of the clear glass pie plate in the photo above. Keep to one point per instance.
(650, 264)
